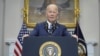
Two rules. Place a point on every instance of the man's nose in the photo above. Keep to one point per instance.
(52, 14)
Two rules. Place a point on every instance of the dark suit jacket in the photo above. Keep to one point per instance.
(41, 30)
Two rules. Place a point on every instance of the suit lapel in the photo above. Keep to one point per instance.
(45, 25)
(56, 29)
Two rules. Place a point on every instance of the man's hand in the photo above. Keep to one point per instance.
(24, 36)
(75, 36)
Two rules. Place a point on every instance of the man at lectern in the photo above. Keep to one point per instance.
(51, 27)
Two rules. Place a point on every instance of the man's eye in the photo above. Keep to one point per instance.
(54, 12)
(50, 11)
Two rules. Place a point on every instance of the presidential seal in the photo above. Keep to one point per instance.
(50, 48)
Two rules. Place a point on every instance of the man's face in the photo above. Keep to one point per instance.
(52, 13)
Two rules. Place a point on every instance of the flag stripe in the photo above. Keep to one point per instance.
(19, 42)
(18, 47)
(16, 53)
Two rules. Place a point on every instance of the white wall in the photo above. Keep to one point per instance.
(13, 20)
(1, 26)
(89, 21)
(99, 27)
(89, 15)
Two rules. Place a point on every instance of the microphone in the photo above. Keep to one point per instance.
(46, 26)
(54, 26)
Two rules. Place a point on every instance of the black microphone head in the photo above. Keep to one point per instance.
(46, 25)
(54, 26)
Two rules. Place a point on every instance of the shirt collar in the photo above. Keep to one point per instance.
(49, 23)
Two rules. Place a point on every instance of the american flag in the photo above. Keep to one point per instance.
(19, 42)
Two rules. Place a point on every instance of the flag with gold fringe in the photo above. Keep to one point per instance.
(82, 47)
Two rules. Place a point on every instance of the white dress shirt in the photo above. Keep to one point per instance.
(49, 24)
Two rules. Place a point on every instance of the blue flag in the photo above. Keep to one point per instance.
(82, 47)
